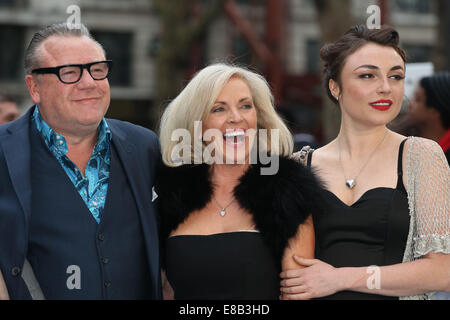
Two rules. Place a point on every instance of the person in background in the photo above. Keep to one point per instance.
(430, 110)
(301, 121)
(8, 109)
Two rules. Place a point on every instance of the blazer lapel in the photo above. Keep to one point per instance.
(16, 148)
(143, 195)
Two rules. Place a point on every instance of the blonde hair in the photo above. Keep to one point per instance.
(196, 100)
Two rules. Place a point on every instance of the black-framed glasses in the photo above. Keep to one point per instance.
(71, 73)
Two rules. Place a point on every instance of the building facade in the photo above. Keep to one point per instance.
(129, 31)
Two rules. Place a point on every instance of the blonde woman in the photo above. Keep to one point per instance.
(229, 222)
(385, 230)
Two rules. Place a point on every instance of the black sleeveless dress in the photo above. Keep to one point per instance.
(224, 266)
(372, 231)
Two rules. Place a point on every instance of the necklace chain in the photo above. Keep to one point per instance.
(223, 212)
(350, 183)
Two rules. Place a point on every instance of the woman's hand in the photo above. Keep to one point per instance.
(318, 279)
(3, 291)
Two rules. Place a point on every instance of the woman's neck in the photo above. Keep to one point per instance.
(226, 176)
(359, 142)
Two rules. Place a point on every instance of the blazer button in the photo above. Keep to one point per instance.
(105, 260)
(107, 284)
(101, 237)
(15, 271)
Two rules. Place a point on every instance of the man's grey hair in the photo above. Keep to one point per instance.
(32, 57)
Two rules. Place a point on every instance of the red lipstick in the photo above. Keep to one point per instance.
(381, 105)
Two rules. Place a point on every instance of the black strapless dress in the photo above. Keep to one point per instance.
(372, 231)
(225, 266)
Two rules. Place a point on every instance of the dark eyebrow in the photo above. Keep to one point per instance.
(397, 68)
(370, 66)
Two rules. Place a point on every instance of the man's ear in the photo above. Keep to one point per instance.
(33, 88)
(334, 88)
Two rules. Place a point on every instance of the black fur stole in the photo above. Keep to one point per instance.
(279, 203)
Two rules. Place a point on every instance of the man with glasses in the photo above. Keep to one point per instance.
(77, 219)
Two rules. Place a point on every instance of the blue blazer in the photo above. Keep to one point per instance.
(139, 151)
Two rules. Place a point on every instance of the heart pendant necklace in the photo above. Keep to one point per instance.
(351, 183)
(223, 209)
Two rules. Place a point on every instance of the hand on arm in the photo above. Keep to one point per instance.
(428, 274)
(312, 279)
(168, 293)
(3, 291)
(301, 245)
(319, 279)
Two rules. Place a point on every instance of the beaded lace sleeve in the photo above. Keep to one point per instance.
(428, 185)
(302, 155)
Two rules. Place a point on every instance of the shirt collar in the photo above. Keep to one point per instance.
(57, 143)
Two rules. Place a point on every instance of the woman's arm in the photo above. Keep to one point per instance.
(3, 291)
(430, 273)
(301, 245)
(168, 293)
(318, 279)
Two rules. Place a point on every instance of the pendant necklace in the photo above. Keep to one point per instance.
(351, 183)
(222, 211)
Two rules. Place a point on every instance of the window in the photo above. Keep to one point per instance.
(13, 38)
(6, 3)
(309, 4)
(118, 48)
(413, 6)
(312, 54)
(418, 53)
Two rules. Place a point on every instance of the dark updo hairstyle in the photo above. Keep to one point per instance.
(334, 55)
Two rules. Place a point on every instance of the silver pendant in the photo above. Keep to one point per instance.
(350, 183)
(222, 213)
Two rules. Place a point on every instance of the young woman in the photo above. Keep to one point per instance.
(228, 227)
(386, 196)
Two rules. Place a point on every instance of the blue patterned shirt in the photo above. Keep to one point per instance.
(94, 186)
